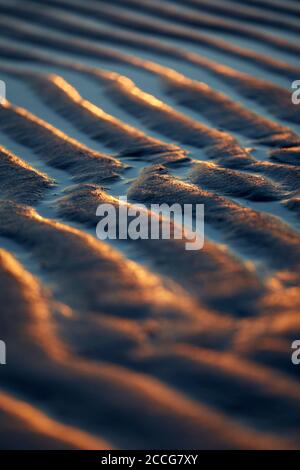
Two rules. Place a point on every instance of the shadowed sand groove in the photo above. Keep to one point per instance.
(226, 113)
(136, 292)
(136, 40)
(291, 155)
(55, 147)
(19, 181)
(166, 11)
(58, 368)
(65, 99)
(143, 344)
(216, 107)
(278, 6)
(98, 124)
(107, 376)
(122, 17)
(265, 234)
(287, 176)
(171, 123)
(235, 183)
(294, 205)
(276, 99)
(228, 9)
(212, 274)
(21, 422)
(229, 372)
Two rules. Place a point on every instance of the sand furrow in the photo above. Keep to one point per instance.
(219, 374)
(275, 98)
(93, 277)
(227, 113)
(25, 427)
(193, 94)
(142, 342)
(143, 398)
(288, 155)
(235, 183)
(99, 125)
(285, 175)
(179, 29)
(134, 38)
(212, 274)
(243, 13)
(85, 390)
(56, 148)
(294, 205)
(19, 181)
(264, 235)
(274, 5)
(162, 118)
(158, 116)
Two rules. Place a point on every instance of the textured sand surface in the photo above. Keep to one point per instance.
(141, 344)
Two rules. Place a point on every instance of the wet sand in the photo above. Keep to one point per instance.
(125, 344)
